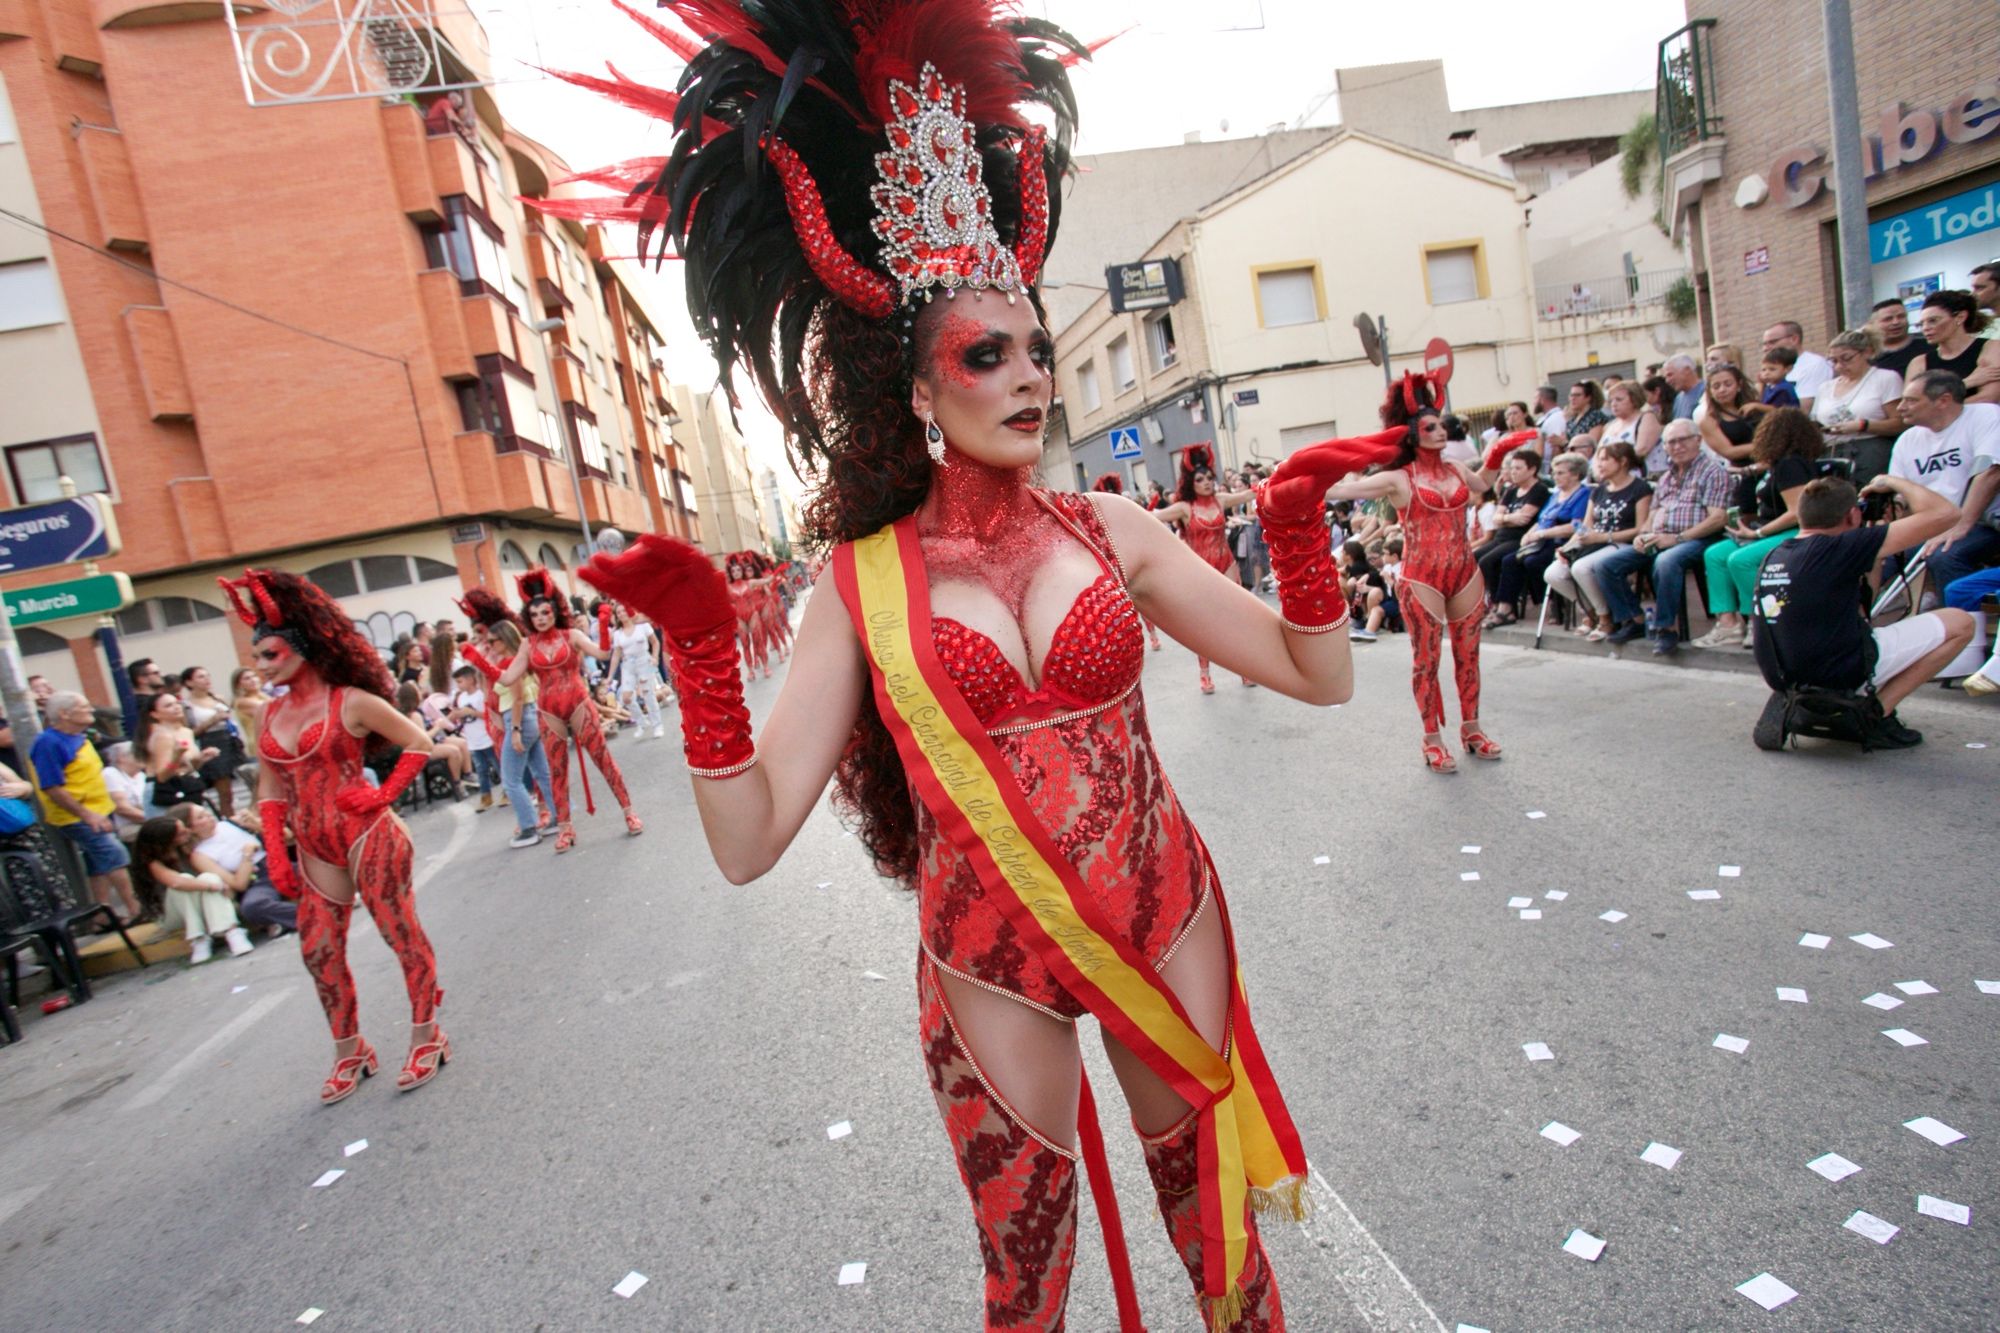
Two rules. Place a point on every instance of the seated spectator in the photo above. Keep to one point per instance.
(1549, 419)
(1890, 321)
(1659, 405)
(196, 902)
(1522, 495)
(614, 715)
(247, 702)
(1969, 595)
(1810, 370)
(125, 779)
(1952, 447)
(1690, 505)
(1953, 324)
(445, 745)
(1521, 569)
(76, 802)
(1458, 446)
(1731, 420)
(1812, 598)
(173, 760)
(1339, 515)
(1774, 378)
(234, 850)
(1367, 592)
(1586, 414)
(1617, 512)
(1629, 422)
(1787, 449)
(1859, 409)
(1684, 378)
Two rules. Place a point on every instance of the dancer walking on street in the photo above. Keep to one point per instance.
(1203, 514)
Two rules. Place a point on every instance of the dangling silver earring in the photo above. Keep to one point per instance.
(933, 439)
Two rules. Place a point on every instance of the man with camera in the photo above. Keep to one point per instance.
(1811, 598)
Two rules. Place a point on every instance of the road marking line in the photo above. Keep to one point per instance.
(462, 834)
(161, 1086)
(1382, 1296)
(11, 1204)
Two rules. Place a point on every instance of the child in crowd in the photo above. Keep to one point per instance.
(468, 713)
(1774, 372)
(1366, 591)
(1392, 574)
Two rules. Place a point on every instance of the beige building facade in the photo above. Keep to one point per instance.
(1262, 355)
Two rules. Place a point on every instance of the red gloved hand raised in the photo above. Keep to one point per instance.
(277, 862)
(1290, 506)
(362, 799)
(604, 627)
(1496, 452)
(680, 591)
(481, 663)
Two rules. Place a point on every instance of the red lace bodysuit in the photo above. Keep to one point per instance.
(1080, 749)
(1205, 531)
(1436, 552)
(559, 687)
(329, 758)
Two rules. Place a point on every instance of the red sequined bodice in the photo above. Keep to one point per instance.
(329, 758)
(1436, 551)
(1088, 768)
(1094, 656)
(559, 688)
(1206, 534)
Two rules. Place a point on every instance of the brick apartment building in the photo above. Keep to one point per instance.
(1742, 113)
(393, 427)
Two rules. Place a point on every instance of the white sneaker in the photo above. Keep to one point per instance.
(525, 838)
(200, 950)
(659, 731)
(238, 941)
(1360, 635)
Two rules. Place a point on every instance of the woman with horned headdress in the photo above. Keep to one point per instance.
(1201, 508)
(351, 845)
(863, 200)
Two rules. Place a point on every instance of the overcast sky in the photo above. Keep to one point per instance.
(1221, 67)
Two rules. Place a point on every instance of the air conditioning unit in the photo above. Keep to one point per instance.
(1154, 432)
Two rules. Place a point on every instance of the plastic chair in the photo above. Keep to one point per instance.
(45, 904)
(10, 945)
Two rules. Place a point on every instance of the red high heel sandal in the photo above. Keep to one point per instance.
(1207, 685)
(1478, 744)
(348, 1071)
(633, 828)
(426, 1058)
(565, 838)
(1438, 759)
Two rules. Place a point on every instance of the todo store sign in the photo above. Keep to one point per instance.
(1966, 214)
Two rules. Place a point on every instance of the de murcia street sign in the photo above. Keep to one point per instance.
(91, 595)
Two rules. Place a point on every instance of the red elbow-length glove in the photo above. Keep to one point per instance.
(604, 628)
(277, 861)
(675, 585)
(1496, 453)
(1291, 507)
(481, 663)
(362, 799)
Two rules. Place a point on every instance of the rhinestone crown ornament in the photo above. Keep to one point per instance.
(932, 212)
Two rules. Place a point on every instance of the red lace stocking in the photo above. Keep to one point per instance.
(1426, 644)
(1173, 1162)
(382, 881)
(1465, 662)
(323, 944)
(588, 733)
(558, 752)
(1023, 1191)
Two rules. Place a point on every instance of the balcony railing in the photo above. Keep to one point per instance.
(1685, 111)
(1600, 296)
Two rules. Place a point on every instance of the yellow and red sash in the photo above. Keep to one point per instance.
(1249, 1150)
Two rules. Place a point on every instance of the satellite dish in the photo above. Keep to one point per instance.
(1371, 340)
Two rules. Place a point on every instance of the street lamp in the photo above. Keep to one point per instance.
(540, 328)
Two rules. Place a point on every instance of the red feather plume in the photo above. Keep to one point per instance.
(965, 39)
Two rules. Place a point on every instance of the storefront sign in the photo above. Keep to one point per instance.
(59, 532)
(468, 534)
(1757, 261)
(1903, 138)
(1920, 228)
(1147, 285)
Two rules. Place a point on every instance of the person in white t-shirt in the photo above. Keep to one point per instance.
(1953, 447)
(1858, 408)
(125, 778)
(1812, 370)
(1552, 424)
(468, 710)
(634, 665)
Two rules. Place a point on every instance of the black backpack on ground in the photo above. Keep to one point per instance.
(1794, 710)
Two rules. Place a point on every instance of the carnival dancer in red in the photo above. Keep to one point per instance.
(1112, 484)
(1203, 515)
(350, 842)
(554, 652)
(969, 680)
(1441, 589)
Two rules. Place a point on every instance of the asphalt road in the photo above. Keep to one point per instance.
(648, 1060)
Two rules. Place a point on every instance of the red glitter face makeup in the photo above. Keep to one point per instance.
(952, 352)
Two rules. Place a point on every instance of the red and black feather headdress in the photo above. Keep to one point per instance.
(869, 152)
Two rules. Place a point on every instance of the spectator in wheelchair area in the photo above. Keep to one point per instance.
(1952, 447)
(1811, 603)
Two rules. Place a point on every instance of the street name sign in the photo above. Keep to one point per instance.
(57, 533)
(1125, 443)
(94, 594)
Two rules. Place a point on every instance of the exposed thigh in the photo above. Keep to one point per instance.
(1470, 598)
(1422, 594)
(554, 728)
(1198, 976)
(332, 882)
(1028, 1058)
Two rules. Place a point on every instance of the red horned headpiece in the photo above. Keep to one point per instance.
(484, 607)
(537, 584)
(1411, 397)
(1110, 483)
(252, 600)
(867, 151)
